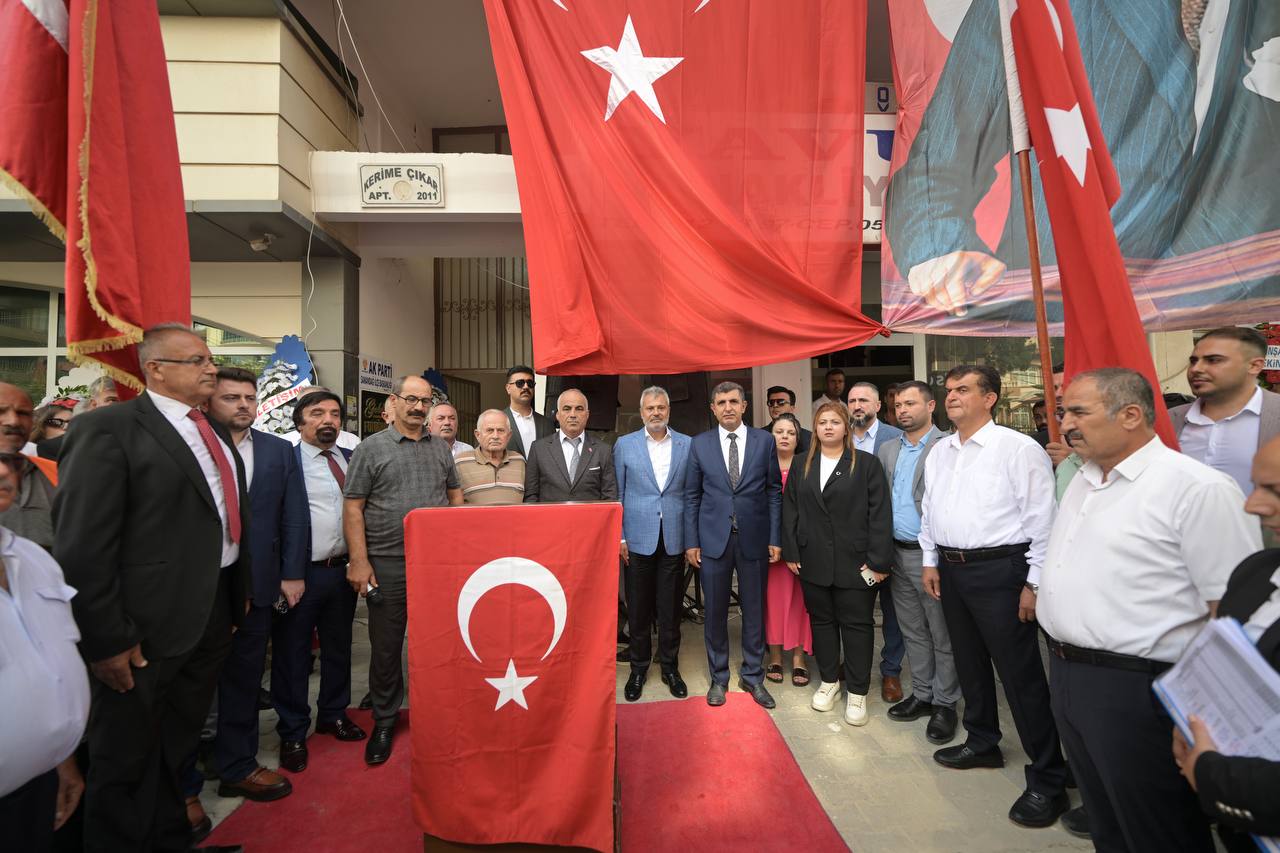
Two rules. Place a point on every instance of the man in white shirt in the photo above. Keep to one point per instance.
(1231, 417)
(527, 426)
(984, 526)
(835, 381)
(1140, 553)
(43, 685)
(318, 596)
(650, 466)
(442, 421)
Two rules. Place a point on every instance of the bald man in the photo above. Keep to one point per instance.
(31, 515)
(570, 464)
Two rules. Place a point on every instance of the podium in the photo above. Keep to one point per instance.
(512, 675)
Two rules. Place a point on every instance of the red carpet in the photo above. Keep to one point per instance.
(692, 776)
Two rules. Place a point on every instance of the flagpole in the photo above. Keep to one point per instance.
(1021, 147)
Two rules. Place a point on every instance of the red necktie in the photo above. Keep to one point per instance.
(335, 469)
(227, 477)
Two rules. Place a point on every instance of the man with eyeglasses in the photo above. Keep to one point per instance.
(31, 515)
(782, 401)
(399, 469)
(527, 426)
(153, 522)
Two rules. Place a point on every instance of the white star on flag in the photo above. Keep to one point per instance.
(632, 71)
(1070, 139)
(511, 687)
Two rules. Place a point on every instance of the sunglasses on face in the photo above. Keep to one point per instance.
(523, 383)
(784, 401)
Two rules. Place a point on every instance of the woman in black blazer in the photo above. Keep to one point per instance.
(1244, 793)
(837, 533)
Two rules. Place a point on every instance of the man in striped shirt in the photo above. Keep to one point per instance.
(491, 475)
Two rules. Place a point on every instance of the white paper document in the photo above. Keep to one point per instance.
(1224, 680)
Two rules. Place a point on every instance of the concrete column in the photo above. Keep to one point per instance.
(331, 316)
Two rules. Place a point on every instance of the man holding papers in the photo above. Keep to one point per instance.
(1140, 553)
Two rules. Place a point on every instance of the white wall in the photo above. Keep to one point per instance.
(397, 312)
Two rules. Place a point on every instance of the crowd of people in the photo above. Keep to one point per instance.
(158, 551)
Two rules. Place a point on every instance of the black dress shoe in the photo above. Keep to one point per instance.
(366, 702)
(635, 686)
(1037, 810)
(942, 726)
(758, 692)
(715, 696)
(341, 728)
(910, 708)
(293, 755)
(264, 699)
(378, 749)
(676, 684)
(963, 758)
(1076, 822)
(221, 848)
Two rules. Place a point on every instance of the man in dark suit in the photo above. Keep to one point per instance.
(782, 401)
(527, 426)
(278, 531)
(319, 597)
(733, 516)
(569, 464)
(153, 529)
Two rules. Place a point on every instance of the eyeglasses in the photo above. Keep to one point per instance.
(57, 423)
(781, 401)
(193, 361)
(412, 400)
(523, 383)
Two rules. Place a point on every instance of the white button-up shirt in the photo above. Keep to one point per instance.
(527, 427)
(867, 443)
(175, 412)
(1228, 444)
(741, 433)
(43, 683)
(325, 500)
(566, 446)
(1134, 560)
(994, 489)
(460, 448)
(659, 457)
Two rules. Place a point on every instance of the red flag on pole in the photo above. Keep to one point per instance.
(1102, 326)
(690, 178)
(511, 672)
(87, 137)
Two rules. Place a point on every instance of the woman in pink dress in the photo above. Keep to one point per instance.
(786, 623)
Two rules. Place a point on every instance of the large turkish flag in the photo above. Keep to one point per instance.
(690, 178)
(1101, 323)
(512, 621)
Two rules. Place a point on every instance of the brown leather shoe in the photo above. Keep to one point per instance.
(891, 688)
(201, 824)
(262, 785)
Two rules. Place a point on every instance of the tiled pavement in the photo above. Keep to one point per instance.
(878, 783)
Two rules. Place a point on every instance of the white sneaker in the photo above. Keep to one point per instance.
(855, 710)
(824, 698)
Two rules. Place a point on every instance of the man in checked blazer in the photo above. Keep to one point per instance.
(569, 464)
(935, 686)
(650, 464)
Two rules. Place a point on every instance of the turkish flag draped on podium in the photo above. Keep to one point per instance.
(691, 178)
(87, 138)
(1101, 323)
(512, 621)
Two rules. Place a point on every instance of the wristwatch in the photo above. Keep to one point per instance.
(1034, 587)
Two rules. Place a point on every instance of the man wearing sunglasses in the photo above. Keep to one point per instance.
(782, 401)
(31, 515)
(527, 426)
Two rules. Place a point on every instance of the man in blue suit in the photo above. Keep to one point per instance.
(870, 434)
(278, 537)
(320, 599)
(733, 515)
(650, 465)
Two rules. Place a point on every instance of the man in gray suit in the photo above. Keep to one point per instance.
(1231, 417)
(526, 425)
(570, 465)
(869, 434)
(935, 687)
